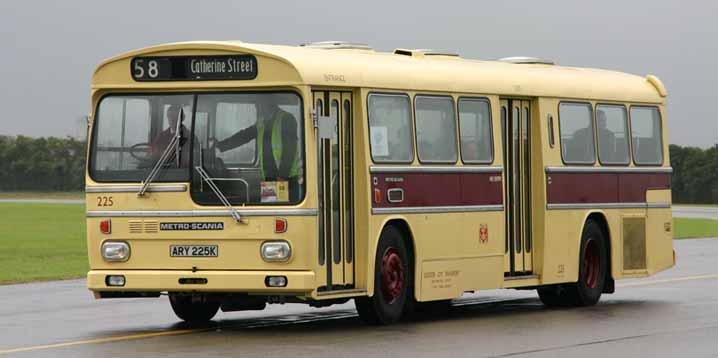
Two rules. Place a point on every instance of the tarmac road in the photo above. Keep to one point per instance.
(671, 314)
(704, 212)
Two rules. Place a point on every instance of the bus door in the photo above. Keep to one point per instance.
(333, 112)
(515, 126)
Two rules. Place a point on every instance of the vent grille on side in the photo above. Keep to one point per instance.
(634, 243)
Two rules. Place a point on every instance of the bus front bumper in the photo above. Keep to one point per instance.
(299, 282)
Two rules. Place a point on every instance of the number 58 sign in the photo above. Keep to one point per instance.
(150, 69)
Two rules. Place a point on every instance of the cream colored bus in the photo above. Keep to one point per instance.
(230, 175)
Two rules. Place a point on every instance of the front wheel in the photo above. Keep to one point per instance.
(392, 278)
(194, 308)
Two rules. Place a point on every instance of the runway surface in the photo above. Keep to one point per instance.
(703, 212)
(671, 314)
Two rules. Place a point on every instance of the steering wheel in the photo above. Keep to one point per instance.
(141, 151)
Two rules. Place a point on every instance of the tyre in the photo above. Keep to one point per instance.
(592, 273)
(593, 267)
(194, 308)
(392, 278)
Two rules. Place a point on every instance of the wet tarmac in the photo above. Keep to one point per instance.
(671, 314)
(702, 212)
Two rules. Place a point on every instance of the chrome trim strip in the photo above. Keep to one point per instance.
(375, 169)
(576, 169)
(658, 205)
(436, 209)
(200, 213)
(607, 206)
(354, 291)
(180, 188)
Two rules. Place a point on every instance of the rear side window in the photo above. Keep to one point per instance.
(646, 135)
(611, 130)
(435, 129)
(390, 128)
(475, 130)
(576, 128)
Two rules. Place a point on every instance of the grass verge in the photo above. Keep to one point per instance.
(65, 195)
(42, 242)
(684, 228)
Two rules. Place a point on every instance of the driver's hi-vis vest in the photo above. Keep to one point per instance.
(279, 116)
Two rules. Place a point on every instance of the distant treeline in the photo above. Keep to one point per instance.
(41, 164)
(695, 174)
(58, 164)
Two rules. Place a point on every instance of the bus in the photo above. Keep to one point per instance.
(230, 175)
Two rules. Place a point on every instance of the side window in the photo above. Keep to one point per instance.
(475, 130)
(435, 129)
(230, 118)
(612, 129)
(390, 128)
(646, 135)
(576, 129)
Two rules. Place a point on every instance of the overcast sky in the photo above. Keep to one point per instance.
(48, 49)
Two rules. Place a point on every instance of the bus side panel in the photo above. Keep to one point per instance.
(562, 239)
(452, 255)
(659, 233)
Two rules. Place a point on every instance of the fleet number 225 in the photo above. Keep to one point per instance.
(104, 201)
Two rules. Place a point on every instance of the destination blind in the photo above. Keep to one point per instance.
(194, 68)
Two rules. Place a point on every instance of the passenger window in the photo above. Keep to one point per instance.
(612, 128)
(576, 130)
(646, 135)
(475, 131)
(435, 129)
(390, 128)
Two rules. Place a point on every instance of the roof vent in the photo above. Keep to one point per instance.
(423, 52)
(337, 45)
(523, 60)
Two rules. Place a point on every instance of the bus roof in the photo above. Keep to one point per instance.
(418, 71)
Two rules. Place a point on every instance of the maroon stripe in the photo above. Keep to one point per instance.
(439, 189)
(573, 188)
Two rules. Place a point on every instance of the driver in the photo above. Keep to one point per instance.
(276, 135)
(163, 139)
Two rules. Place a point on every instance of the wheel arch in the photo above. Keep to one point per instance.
(402, 224)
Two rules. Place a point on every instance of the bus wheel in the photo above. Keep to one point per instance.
(593, 266)
(392, 276)
(194, 308)
(592, 274)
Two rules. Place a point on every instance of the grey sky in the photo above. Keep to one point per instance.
(48, 49)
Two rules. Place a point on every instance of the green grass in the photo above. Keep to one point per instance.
(42, 242)
(684, 228)
(42, 195)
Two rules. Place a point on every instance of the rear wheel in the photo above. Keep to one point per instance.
(392, 277)
(593, 266)
(194, 308)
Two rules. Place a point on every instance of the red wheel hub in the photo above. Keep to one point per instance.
(392, 275)
(591, 264)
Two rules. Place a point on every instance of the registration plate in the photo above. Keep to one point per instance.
(194, 250)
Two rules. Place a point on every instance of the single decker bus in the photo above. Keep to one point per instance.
(229, 175)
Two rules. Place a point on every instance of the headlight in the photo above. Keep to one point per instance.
(115, 251)
(276, 251)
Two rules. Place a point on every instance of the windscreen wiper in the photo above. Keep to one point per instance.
(222, 198)
(174, 145)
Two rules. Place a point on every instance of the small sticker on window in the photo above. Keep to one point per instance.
(275, 191)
